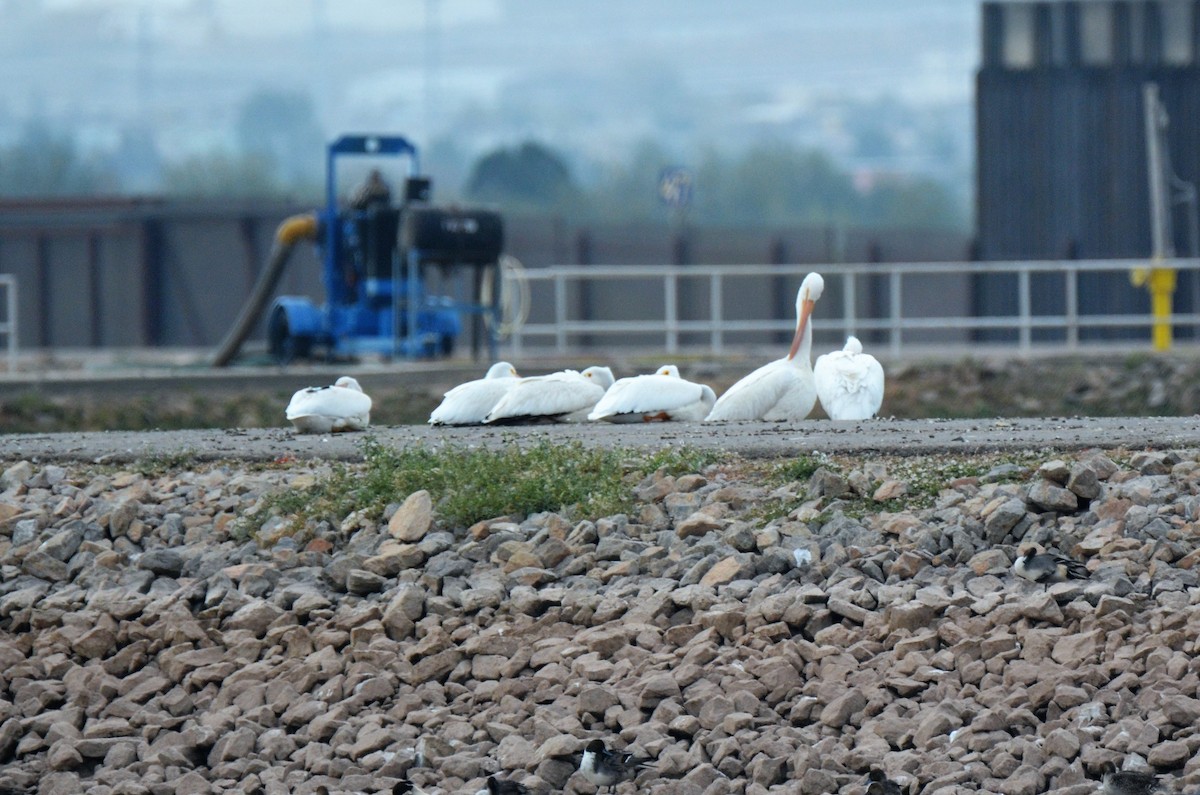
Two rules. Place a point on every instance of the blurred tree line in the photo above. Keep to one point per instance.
(278, 152)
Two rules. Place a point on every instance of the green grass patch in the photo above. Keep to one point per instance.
(159, 464)
(925, 476)
(468, 485)
(792, 469)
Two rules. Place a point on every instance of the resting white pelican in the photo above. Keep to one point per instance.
(330, 409)
(565, 396)
(849, 382)
(662, 395)
(782, 389)
(469, 403)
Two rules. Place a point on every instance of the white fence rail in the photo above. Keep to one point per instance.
(8, 321)
(903, 316)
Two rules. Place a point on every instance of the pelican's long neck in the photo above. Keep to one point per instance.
(801, 350)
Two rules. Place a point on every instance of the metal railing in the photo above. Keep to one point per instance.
(8, 323)
(558, 328)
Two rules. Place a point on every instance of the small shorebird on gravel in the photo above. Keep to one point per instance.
(880, 784)
(606, 768)
(1048, 567)
(406, 787)
(496, 786)
(1128, 782)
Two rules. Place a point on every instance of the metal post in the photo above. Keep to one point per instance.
(152, 281)
(9, 326)
(1024, 312)
(95, 290)
(671, 309)
(44, 301)
(1160, 279)
(12, 324)
(715, 312)
(849, 300)
(1161, 233)
(560, 313)
(1071, 292)
(894, 301)
(413, 286)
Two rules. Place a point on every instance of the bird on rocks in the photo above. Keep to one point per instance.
(1048, 567)
(849, 382)
(605, 768)
(406, 787)
(1128, 782)
(565, 396)
(880, 784)
(497, 786)
(330, 409)
(468, 403)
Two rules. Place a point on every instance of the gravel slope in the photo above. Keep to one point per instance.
(147, 647)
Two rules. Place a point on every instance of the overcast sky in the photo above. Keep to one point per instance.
(597, 74)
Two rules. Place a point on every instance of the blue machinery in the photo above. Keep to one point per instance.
(376, 255)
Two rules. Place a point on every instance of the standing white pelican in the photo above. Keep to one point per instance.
(849, 382)
(782, 389)
(662, 395)
(565, 396)
(469, 403)
(330, 409)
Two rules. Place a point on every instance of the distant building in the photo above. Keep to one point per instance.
(1061, 142)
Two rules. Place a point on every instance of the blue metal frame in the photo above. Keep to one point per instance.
(370, 315)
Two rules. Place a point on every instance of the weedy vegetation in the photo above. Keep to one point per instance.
(924, 479)
(468, 485)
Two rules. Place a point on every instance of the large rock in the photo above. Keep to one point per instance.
(413, 518)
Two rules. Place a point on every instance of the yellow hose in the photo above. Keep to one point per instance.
(295, 228)
(287, 234)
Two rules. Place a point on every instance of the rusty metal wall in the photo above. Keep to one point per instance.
(134, 273)
(1061, 147)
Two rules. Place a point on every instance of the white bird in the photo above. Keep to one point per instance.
(330, 409)
(469, 403)
(784, 388)
(565, 396)
(661, 395)
(849, 382)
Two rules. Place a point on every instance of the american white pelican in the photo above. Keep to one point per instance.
(565, 396)
(469, 403)
(849, 382)
(782, 389)
(662, 395)
(330, 409)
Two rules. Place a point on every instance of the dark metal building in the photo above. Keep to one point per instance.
(1061, 138)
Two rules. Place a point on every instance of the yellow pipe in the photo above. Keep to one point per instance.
(297, 227)
(1161, 282)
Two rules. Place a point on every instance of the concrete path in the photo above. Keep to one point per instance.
(758, 440)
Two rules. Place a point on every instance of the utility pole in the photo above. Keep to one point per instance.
(1159, 278)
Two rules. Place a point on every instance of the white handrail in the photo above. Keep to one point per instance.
(563, 328)
(8, 326)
